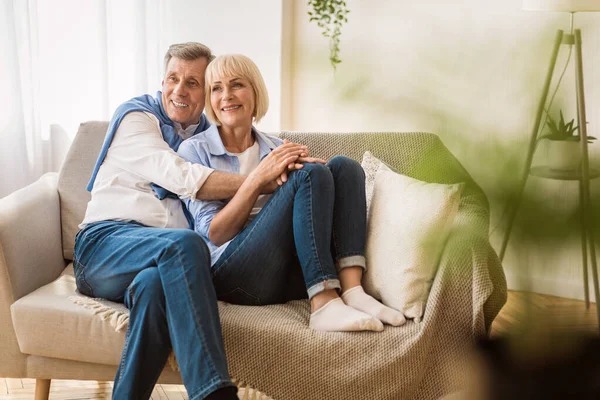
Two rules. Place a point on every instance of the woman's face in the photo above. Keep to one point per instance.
(232, 99)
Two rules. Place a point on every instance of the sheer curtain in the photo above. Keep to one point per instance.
(64, 62)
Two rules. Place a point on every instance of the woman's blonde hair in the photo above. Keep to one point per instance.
(239, 66)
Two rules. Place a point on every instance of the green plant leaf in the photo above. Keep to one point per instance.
(329, 16)
(561, 125)
(562, 130)
(574, 130)
(570, 125)
(553, 128)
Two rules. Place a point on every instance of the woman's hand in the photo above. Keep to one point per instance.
(230, 220)
(298, 164)
(277, 162)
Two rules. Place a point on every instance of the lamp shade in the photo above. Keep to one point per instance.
(561, 5)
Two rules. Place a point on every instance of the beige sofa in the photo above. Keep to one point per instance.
(48, 331)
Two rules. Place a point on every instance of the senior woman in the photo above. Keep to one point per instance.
(307, 238)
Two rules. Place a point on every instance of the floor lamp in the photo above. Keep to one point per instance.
(583, 174)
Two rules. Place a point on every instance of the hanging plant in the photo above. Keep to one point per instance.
(330, 15)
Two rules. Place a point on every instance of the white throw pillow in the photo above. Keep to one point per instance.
(371, 165)
(407, 226)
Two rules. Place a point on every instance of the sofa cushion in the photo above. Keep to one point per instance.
(48, 323)
(73, 179)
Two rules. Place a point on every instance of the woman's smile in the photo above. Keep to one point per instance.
(230, 108)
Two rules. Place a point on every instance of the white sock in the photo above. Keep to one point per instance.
(335, 316)
(357, 298)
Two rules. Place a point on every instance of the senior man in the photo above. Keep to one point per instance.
(135, 245)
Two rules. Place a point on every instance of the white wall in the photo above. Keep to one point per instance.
(472, 72)
(253, 28)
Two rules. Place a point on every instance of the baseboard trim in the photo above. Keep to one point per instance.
(567, 289)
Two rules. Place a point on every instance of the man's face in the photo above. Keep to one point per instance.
(183, 90)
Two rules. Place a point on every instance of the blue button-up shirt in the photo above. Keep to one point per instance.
(206, 148)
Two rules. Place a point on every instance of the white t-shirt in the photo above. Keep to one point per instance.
(137, 157)
(249, 160)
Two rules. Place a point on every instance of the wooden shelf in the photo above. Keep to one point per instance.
(549, 173)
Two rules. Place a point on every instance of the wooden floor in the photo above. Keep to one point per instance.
(559, 314)
(25, 388)
(547, 312)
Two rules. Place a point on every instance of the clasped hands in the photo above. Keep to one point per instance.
(274, 168)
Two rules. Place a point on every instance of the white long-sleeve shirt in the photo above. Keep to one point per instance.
(137, 157)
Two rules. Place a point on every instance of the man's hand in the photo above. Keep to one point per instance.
(298, 164)
(275, 163)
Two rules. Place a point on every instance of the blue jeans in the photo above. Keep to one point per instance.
(163, 277)
(311, 227)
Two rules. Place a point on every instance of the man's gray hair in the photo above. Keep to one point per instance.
(188, 51)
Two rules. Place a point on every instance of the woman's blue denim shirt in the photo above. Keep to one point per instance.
(206, 148)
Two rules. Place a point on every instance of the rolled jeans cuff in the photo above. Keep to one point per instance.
(352, 261)
(323, 285)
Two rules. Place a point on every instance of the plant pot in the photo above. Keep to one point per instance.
(564, 155)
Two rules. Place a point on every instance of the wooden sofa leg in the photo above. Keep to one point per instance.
(42, 389)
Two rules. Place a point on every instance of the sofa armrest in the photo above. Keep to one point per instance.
(30, 237)
(469, 275)
(30, 256)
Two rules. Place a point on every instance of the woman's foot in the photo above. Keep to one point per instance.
(335, 316)
(358, 299)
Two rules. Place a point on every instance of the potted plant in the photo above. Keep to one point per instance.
(564, 148)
